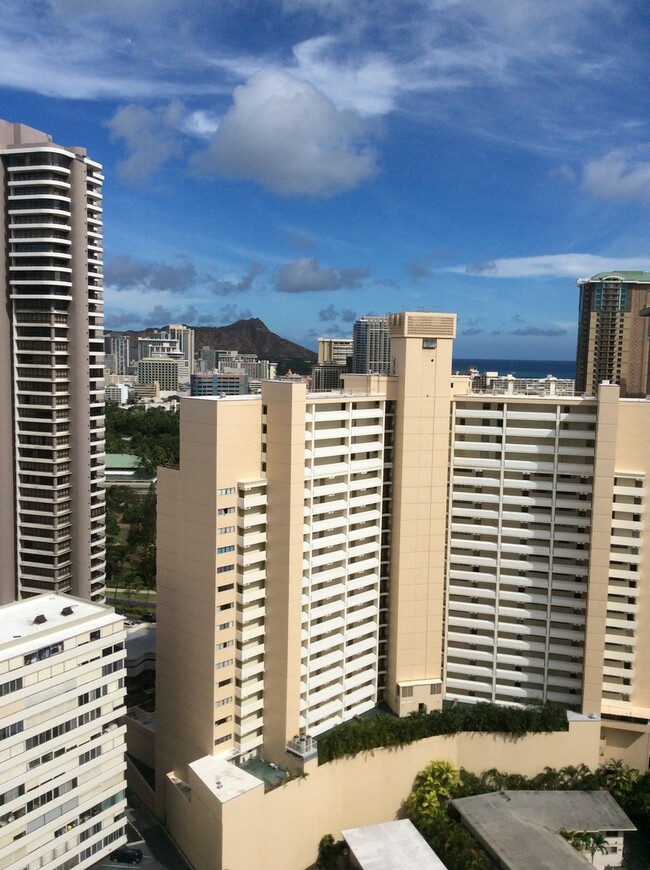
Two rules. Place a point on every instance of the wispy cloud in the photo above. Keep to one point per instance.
(538, 331)
(552, 266)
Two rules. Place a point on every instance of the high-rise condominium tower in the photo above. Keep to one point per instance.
(51, 368)
(371, 353)
(612, 333)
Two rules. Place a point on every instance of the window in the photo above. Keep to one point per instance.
(223, 702)
(223, 739)
(11, 686)
(12, 794)
(406, 691)
(228, 490)
(88, 756)
(227, 549)
(92, 695)
(429, 343)
(225, 530)
(224, 568)
(226, 664)
(10, 730)
(226, 587)
(43, 653)
(224, 626)
(221, 512)
(224, 644)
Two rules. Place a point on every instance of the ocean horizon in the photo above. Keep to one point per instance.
(520, 368)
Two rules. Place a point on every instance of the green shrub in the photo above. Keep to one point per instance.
(361, 735)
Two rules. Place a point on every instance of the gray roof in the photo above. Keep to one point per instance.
(391, 846)
(632, 277)
(520, 827)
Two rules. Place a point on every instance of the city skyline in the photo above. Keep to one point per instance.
(310, 163)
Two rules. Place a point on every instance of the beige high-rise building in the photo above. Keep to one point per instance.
(403, 540)
(613, 333)
(51, 368)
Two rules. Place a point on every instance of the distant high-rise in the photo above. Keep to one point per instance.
(612, 333)
(371, 351)
(51, 368)
(120, 348)
(334, 351)
(185, 337)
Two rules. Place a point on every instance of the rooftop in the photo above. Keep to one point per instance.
(638, 277)
(43, 614)
(391, 846)
(122, 460)
(225, 780)
(520, 827)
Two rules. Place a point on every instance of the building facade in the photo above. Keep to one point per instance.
(371, 342)
(185, 338)
(613, 333)
(62, 763)
(51, 368)
(120, 349)
(219, 384)
(162, 370)
(275, 560)
(335, 351)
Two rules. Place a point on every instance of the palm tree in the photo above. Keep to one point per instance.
(595, 841)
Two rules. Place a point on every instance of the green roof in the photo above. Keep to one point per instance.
(121, 460)
(638, 277)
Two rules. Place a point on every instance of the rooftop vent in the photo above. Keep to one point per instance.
(40, 619)
(67, 611)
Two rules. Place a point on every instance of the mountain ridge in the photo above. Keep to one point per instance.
(247, 336)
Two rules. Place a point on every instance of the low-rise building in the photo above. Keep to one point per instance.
(62, 749)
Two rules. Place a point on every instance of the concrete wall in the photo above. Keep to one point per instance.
(281, 830)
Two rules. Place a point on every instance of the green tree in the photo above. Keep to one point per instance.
(431, 791)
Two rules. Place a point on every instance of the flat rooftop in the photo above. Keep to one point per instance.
(225, 780)
(43, 614)
(391, 846)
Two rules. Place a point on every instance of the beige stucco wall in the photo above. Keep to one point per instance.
(281, 830)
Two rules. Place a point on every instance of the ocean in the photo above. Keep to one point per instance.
(520, 368)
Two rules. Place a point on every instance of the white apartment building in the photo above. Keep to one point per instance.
(62, 751)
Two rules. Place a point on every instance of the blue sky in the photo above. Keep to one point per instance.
(308, 162)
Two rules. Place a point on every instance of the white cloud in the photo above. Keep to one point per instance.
(369, 84)
(286, 135)
(553, 266)
(201, 123)
(618, 177)
(306, 275)
(150, 135)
